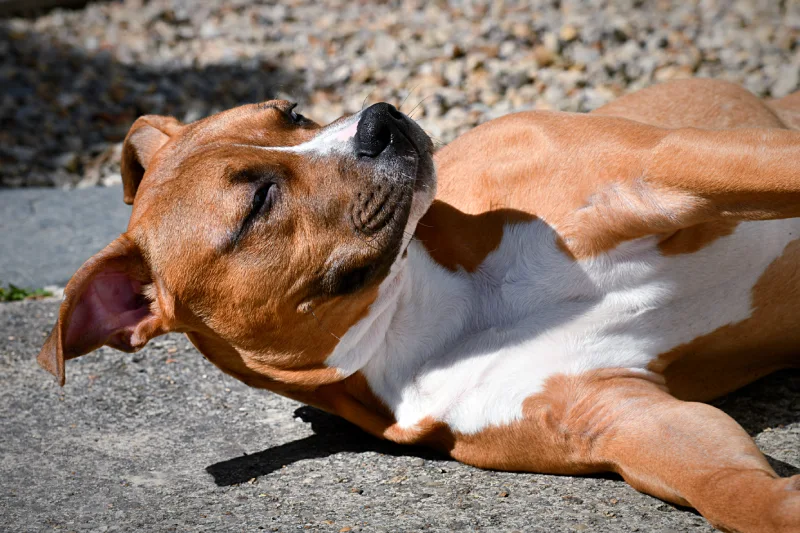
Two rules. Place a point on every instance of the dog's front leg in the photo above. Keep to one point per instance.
(655, 181)
(686, 453)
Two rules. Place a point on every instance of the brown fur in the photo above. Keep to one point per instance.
(459, 240)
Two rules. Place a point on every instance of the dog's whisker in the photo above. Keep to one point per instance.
(411, 236)
(400, 107)
(366, 98)
(411, 113)
(437, 143)
(323, 328)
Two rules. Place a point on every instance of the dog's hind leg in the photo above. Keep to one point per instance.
(624, 421)
(686, 453)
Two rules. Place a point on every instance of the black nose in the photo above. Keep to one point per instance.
(377, 129)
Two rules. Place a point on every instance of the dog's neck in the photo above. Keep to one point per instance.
(422, 307)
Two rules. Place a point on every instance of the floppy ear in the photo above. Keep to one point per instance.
(146, 137)
(104, 304)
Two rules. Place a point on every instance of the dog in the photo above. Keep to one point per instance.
(551, 292)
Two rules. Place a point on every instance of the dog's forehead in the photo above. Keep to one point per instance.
(267, 123)
(194, 162)
(191, 192)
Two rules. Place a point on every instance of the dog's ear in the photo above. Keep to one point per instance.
(146, 137)
(111, 300)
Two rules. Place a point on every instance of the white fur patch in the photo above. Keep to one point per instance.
(468, 349)
(335, 138)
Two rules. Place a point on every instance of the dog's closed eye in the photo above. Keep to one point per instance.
(295, 117)
(262, 199)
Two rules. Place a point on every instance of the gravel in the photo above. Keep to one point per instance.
(163, 441)
(74, 81)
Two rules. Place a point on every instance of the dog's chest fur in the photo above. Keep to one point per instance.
(468, 348)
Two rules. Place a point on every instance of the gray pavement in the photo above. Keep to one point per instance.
(163, 441)
(47, 234)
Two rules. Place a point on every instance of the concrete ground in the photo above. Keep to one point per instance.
(162, 441)
(47, 234)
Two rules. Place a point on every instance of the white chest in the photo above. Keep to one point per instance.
(468, 349)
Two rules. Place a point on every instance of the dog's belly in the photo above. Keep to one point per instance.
(530, 313)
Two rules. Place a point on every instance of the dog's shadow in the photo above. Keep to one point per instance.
(769, 403)
(332, 435)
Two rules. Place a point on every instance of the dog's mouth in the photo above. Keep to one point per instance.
(420, 144)
(423, 146)
(400, 187)
(386, 166)
(396, 156)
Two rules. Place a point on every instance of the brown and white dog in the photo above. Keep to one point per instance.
(576, 286)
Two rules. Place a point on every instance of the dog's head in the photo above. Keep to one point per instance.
(257, 232)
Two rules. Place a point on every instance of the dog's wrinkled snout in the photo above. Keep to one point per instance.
(378, 128)
(372, 211)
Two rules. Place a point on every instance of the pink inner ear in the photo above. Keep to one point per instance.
(108, 312)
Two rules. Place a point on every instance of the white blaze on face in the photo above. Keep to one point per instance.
(331, 139)
(347, 133)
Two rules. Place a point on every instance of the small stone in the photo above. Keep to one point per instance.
(453, 72)
(585, 55)
(453, 51)
(544, 56)
(522, 31)
(507, 49)
(489, 97)
(787, 83)
(362, 75)
(568, 33)
(340, 75)
(672, 73)
(550, 41)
